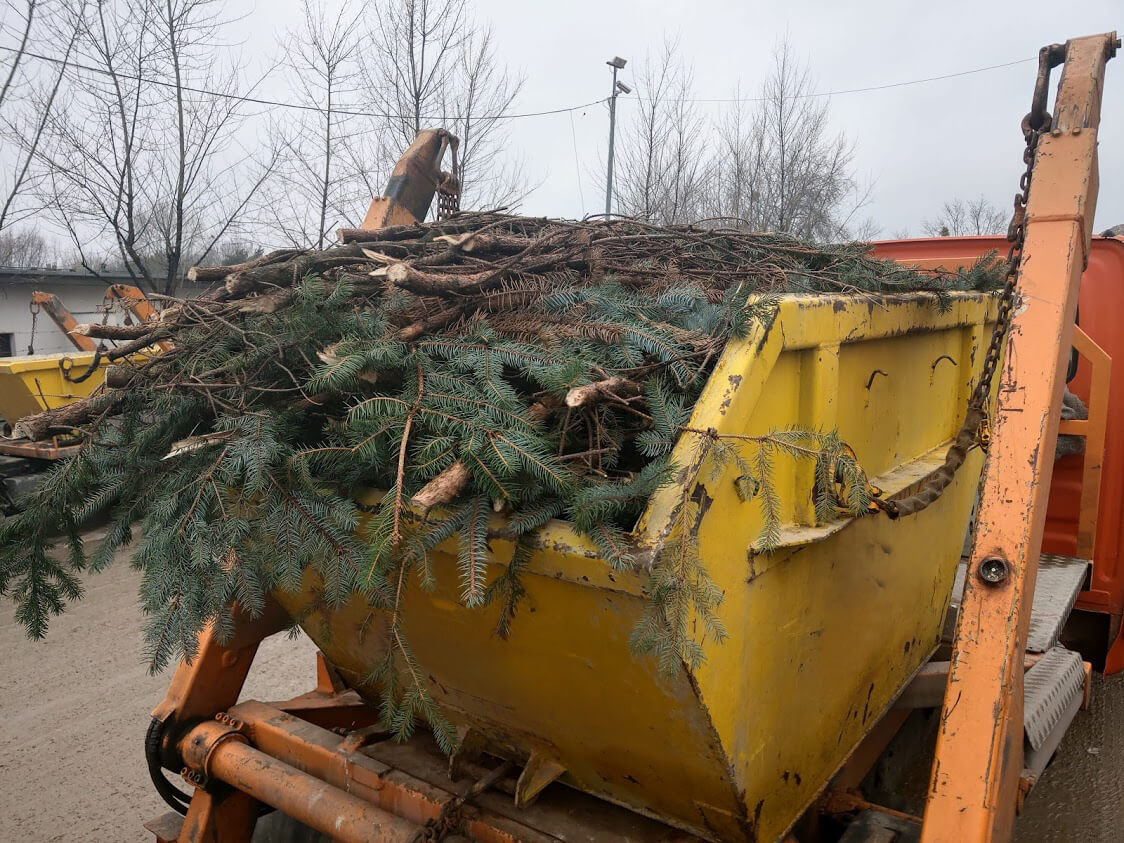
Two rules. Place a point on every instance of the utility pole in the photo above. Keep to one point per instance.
(618, 88)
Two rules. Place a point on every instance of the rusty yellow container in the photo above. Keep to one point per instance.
(37, 382)
(824, 631)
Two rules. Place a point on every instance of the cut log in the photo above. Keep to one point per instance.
(269, 302)
(210, 274)
(433, 284)
(615, 387)
(41, 425)
(545, 407)
(113, 332)
(117, 377)
(135, 346)
(367, 235)
(443, 488)
(438, 320)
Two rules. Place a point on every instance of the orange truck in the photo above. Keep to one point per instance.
(864, 655)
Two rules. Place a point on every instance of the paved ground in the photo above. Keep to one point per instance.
(74, 709)
(1081, 794)
(72, 766)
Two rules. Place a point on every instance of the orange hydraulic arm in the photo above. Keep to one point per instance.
(979, 755)
(414, 180)
(133, 299)
(61, 317)
(137, 303)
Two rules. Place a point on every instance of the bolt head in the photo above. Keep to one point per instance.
(993, 570)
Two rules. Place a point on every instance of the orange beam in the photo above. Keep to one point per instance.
(61, 317)
(137, 302)
(978, 762)
(1093, 429)
(219, 752)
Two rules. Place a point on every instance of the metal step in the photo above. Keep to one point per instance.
(1060, 580)
(1052, 693)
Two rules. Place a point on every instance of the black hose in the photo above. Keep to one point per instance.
(176, 798)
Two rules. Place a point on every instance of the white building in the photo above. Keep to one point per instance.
(82, 293)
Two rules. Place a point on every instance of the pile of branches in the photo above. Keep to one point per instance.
(488, 363)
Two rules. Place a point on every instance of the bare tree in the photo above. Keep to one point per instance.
(958, 218)
(433, 64)
(482, 91)
(735, 171)
(662, 152)
(24, 248)
(142, 154)
(25, 14)
(768, 163)
(319, 185)
(23, 124)
(806, 174)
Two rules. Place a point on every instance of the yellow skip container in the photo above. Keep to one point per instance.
(37, 382)
(824, 631)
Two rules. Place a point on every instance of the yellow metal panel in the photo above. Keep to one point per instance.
(33, 383)
(823, 631)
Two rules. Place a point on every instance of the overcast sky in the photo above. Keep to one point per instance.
(919, 144)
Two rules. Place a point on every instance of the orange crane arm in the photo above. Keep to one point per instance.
(415, 179)
(137, 303)
(979, 755)
(134, 300)
(61, 317)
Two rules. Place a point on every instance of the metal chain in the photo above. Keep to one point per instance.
(34, 308)
(1016, 236)
(976, 430)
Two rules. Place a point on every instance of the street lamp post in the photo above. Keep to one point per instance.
(618, 88)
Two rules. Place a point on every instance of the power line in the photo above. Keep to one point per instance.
(546, 112)
(863, 90)
(278, 104)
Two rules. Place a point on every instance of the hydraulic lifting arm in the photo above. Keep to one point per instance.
(413, 182)
(979, 756)
(134, 301)
(61, 317)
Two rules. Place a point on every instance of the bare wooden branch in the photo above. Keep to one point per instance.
(58, 419)
(210, 274)
(443, 488)
(609, 388)
(114, 332)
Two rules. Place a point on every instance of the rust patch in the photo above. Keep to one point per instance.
(728, 396)
(700, 497)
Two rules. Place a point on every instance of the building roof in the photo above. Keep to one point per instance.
(43, 275)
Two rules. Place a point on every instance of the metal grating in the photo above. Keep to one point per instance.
(1060, 580)
(1049, 689)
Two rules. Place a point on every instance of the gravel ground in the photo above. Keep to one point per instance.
(1081, 794)
(74, 708)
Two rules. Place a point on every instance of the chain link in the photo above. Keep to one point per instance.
(1016, 236)
(34, 308)
(976, 430)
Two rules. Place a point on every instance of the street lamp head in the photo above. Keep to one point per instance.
(623, 88)
(617, 62)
